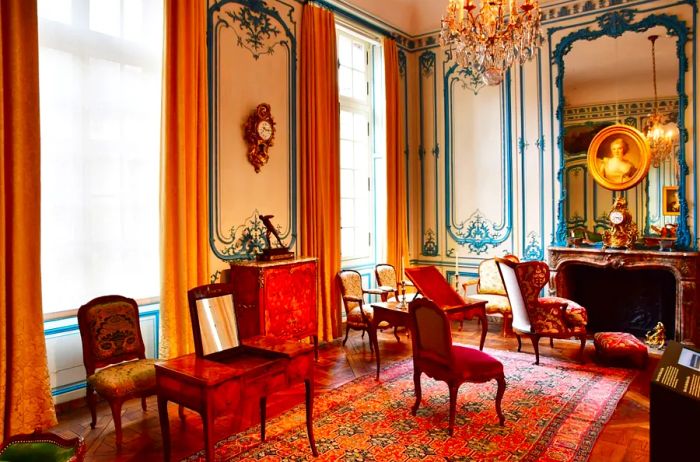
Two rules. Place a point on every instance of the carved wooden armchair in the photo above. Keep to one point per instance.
(359, 315)
(535, 316)
(389, 283)
(114, 355)
(436, 356)
(489, 287)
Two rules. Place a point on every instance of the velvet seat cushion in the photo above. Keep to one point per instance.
(125, 379)
(621, 347)
(473, 365)
(355, 317)
(548, 322)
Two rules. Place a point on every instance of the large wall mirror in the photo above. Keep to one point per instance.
(605, 76)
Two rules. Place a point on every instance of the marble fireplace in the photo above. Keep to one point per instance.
(631, 290)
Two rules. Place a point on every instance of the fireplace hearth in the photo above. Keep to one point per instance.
(630, 290)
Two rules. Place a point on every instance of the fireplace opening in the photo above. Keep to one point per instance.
(623, 300)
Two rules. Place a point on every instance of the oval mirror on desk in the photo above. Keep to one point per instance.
(214, 325)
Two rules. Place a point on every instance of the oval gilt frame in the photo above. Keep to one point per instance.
(618, 172)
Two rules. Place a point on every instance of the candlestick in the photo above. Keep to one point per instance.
(457, 269)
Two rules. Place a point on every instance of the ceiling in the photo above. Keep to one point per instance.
(413, 17)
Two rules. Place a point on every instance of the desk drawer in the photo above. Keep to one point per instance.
(187, 394)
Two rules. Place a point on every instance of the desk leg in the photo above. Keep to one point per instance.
(484, 328)
(315, 339)
(372, 330)
(263, 413)
(309, 383)
(208, 424)
(164, 427)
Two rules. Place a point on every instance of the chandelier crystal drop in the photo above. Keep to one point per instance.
(660, 135)
(488, 39)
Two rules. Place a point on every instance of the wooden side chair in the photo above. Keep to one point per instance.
(114, 355)
(436, 356)
(44, 447)
(389, 283)
(534, 316)
(358, 313)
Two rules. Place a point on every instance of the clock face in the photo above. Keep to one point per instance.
(265, 130)
(616, 217)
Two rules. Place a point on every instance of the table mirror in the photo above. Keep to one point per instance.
(214, 324)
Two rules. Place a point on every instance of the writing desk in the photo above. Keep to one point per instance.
(216, 388)
(396, 314)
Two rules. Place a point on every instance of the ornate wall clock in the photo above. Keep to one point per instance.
(260, 135)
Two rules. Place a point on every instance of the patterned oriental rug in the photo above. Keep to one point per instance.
(554, 412)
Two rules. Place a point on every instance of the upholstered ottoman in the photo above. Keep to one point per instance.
(621, 347)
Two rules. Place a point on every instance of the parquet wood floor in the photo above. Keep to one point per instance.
(625, 438)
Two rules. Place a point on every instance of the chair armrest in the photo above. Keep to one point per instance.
(407, 283)
(375, 291)
(470, 282)
(350, 298)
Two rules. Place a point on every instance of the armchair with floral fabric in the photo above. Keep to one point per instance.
(535, 316)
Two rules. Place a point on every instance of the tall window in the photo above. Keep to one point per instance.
(359, 156)
(100, 86)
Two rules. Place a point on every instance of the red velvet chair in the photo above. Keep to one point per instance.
(535, 316)
(431, 284)
(436, 356)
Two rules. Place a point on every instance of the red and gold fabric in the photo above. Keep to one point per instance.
(115, 330)
(125, 379)
(621, 347)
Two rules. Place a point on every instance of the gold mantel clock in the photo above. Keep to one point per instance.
(623, 232)
(260, 135)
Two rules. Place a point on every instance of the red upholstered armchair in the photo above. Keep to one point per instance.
(535, 316)
(436, 356)
(431, 284)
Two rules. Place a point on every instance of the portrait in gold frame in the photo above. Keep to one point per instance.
(671, 206)
(618, 157)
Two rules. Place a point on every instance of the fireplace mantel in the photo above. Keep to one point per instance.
(683, 266)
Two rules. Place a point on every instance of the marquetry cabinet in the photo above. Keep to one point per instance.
(276, 298)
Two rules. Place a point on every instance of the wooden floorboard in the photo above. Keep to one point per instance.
(624, 438)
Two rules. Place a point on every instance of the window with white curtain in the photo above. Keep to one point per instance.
(100, 94)
(360, 160)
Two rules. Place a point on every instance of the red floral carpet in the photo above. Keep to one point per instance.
(554, 412)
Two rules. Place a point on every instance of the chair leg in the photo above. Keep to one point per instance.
(347, 332)
(117, 416)
(520, 342)
(536, 345)
(363, 333)
(499, 396)
(396, 335)
(416, 383)
(551, 342)
(181, 412)
(453, 407)
(143, 404)
(583, 346)
(92, 404)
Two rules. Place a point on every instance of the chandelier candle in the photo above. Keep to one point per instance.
(489, 36)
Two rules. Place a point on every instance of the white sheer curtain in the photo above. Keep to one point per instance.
(100, 80)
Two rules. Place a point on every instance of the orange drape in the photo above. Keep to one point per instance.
(25, 392)
(397, 233)
(183, 176)
(319, 162)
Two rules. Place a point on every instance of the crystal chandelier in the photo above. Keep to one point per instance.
(488, 40)
(661, 136)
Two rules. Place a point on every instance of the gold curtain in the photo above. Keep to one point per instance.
(397, 233)
(183, 170)
(319, 162)
(25, 400)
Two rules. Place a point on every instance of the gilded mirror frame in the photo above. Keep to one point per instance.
(614, 24)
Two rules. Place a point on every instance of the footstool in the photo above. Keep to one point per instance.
(622, 348)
